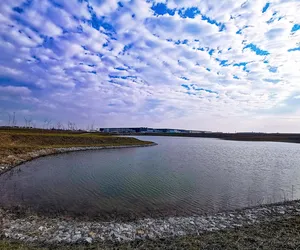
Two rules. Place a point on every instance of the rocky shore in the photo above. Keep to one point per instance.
(39, 229)
(19, 159)
(52, 231)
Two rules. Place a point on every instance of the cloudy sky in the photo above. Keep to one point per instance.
(221, 65)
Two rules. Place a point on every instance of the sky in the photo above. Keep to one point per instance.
(217, 65)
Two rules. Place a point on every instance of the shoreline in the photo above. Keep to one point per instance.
(243, 137)
(63, 230)
(53, 151)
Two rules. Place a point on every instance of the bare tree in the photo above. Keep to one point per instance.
(47, 123)
(69, 125)
(28, 121)
(72, 126)
(92, 126)
(14, 121)
(9, 119)
(59, 125)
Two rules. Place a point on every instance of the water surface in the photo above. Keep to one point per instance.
(180, 176)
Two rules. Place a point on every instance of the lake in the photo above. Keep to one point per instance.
(180, 176)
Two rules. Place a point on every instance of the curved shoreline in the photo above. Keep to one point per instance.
(62, 230)
(52, 151)
(52, 231)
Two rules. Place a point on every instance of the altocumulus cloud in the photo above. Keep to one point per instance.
(211, 64)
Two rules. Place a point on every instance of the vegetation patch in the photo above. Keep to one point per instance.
(17, 146)
(266, 137)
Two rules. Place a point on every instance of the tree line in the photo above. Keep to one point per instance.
(47, 123)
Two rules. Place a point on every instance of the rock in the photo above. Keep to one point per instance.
(139, 231)
(76, 237)
(172, 220)
(112, 235)
(45, 230)
(92, 234)
(89, 240)
(57, 239)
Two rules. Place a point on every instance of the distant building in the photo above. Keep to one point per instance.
(174, 131)
(147, 130)
(249, 133)
(123, 130)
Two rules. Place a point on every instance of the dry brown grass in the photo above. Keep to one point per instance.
(19, 144)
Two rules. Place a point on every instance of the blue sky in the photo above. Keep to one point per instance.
(213, 65)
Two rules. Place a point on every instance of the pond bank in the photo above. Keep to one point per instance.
(53, 231)
(52, 151)
(21, 145)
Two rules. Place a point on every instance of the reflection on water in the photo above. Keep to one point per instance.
(180, 176)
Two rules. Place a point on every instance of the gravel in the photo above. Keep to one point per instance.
(35, 229)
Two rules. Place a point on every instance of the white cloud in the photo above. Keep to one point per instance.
(131, 64)
(14, 90)
(76, 8)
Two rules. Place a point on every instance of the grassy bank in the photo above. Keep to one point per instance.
(281, 234)
(16, 144)
(276, 137)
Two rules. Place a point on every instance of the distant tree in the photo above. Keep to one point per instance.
(14, 121)
(9, 119)
(47, 123)
(59, 125)
(28, 121)
(92, 126)
(72, 125)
